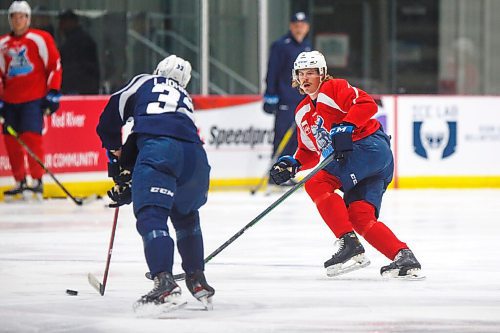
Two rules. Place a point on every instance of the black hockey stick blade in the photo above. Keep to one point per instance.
(96, 284)
(89, 199)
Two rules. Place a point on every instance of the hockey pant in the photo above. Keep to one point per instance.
(170, 180)
(17, 155)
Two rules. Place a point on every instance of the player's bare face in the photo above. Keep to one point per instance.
(310, 80)
(19, 23)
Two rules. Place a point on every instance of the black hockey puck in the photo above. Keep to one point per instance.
(71, 292)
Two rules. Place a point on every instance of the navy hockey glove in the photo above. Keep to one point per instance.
(121, 192)
(341, 135)
(284, 169)
(120, 195)
(51, 102)
(271, 103)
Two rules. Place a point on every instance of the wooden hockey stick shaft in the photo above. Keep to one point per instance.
(101, 287)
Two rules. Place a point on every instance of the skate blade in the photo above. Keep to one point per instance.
(207, 302)
(25, 195)
(414, 274)
(355, 263)
(151, 310)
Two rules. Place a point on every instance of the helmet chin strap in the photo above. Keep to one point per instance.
(316, 91)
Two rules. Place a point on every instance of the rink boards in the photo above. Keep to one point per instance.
(438, 142)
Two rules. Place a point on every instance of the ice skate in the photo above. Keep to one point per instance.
(404, 266)
(200, 289)
(163, 298)
(19, 192)
(37, 189)
(349, 257)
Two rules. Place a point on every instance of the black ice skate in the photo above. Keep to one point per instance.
(165, 297)
(404, 266)
(19, 191)
(200, 289)
(37, 189)
(349, 257)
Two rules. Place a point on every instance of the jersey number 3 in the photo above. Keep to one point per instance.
(168, 99)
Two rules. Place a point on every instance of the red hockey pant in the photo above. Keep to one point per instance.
(17, 154)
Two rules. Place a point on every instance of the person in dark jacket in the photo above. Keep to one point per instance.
(280, 98)
(78, 56)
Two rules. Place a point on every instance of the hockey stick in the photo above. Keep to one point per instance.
(259, 217)
(284, 141)
(13, 132)
(101, 287)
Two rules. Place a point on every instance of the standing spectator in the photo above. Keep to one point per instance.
(280, 98)
(336, 118)
(169, 180)
(30, 71)
(78, 56)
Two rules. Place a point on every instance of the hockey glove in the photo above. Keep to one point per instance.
(284, 169)
(341, 136)
(271, 103)
(51, 102)
(1, 109)
(121, 193)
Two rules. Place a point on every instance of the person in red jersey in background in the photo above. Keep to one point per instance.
(30, 77)
(336, 118)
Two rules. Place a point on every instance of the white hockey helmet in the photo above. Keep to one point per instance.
(175, 68)
(311, 59)
(20, 7)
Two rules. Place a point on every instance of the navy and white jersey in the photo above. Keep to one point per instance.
(158, 105)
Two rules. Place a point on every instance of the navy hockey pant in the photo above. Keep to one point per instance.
(170, 179)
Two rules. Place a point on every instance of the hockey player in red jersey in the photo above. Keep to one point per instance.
(336, 118)
(30, 77)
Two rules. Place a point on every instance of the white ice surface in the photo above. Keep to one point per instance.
(271, 279)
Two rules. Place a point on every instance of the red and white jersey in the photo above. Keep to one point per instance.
(30, 65)
(337, 102)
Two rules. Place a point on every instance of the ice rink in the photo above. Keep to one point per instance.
(271, 279)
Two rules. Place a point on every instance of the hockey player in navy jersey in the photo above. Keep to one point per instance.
(336, 118)
(168, 179)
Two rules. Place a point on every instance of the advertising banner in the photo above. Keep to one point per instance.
(438, 141)
(70, 141)
(448, 136)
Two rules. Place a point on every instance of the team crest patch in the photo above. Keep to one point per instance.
(20, 64)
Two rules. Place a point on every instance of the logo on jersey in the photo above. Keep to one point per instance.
(322, 137)
(20, 64)
(435, 130)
